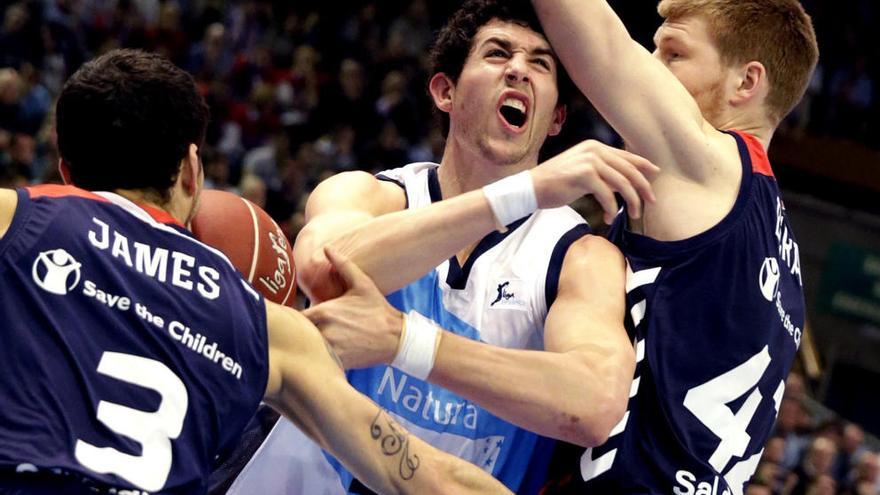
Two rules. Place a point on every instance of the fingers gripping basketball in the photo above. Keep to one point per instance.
(251, 240)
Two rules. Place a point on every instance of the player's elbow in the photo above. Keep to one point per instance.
(608, 415)
(600, 408)
(593, 422)
(317, 278)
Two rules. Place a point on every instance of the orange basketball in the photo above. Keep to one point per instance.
(251, 240)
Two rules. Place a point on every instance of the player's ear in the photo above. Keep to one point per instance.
(191, 170)
(64, 170)
(752, 82)
(559, 114)
(442, 90)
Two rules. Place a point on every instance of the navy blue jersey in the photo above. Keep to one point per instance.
(131, 353)
(717, 320)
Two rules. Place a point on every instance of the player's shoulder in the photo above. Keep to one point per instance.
(554, 226)
(360, 190)
(407, 172)
(710, 158)
(561, 214)
(726, 155)
(61, 191)
(593, 249)
(8, 203)
(592, 263)
(589, 257)
(752, 152)
(54, 200)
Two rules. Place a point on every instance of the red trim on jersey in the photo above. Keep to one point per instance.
(59, 191)
(760, 162)
(160, 216)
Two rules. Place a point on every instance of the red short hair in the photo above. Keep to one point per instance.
(777, 33)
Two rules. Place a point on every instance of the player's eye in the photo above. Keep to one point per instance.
(496, 53)
(542, 62)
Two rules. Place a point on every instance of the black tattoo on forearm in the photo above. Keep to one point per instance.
(393, 441)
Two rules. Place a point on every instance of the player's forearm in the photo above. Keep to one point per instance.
(583, 33)
(308, 387)
(601, 57)
(398, 462)
(634, 91)
(450, 475)
(398, 248)
(386, 457)
(577, 396)
(374, 447)
(461, 477)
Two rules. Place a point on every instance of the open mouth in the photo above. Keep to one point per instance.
(513, 111)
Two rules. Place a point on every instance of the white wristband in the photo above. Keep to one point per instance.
(418, 346)
(511, 198)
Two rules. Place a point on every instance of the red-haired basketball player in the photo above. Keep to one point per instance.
(714, 290)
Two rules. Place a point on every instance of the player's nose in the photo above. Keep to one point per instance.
(516, 70)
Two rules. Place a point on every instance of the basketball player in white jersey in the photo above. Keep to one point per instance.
(501, 327)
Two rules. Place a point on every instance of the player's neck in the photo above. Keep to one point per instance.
(757, 126)
(173, 207)
(461, 171)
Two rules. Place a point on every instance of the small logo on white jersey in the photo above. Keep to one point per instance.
(56, 271)
(769, 278)
(507, 294)
(504, 293)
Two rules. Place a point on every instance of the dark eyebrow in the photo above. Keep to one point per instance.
(503, 43)
(507, 45)
(544, 51)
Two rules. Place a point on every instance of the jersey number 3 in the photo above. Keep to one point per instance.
(153, 430)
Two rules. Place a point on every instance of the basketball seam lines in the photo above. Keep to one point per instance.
(289, 289)
(255, 255)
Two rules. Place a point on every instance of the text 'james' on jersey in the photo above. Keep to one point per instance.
(154, 261)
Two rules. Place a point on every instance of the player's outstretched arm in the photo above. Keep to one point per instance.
(309, 387)
(8, 202)
(575, 391)
(634, 91)
(364, 218)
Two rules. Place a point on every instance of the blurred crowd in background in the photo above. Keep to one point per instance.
(301, 90)
(812, 452)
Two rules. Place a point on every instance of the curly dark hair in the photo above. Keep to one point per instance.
(126, 119)
(453, 42)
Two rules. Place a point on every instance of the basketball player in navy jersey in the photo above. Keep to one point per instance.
(503, 328)
(132, 353)
(714, 289)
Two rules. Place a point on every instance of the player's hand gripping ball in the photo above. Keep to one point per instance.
(251, 240)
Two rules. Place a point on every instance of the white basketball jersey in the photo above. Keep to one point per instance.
(502, 291)
(500, 296)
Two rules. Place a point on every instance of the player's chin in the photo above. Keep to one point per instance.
(515, 151)
(505, 155)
